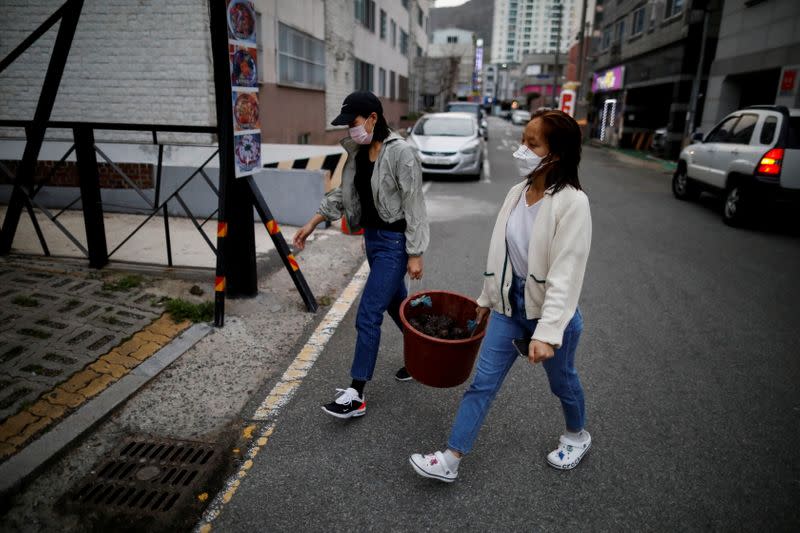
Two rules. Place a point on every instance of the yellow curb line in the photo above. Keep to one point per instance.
(95, 380)
(283, 391)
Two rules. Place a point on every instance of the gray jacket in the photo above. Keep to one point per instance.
(396, 190)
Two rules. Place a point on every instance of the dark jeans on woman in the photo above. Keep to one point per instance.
(496, 357)
(385, 291)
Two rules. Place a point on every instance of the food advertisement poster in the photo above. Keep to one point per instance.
(243, 57)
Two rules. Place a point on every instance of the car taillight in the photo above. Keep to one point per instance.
(770, 164)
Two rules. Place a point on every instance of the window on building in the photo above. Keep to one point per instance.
(673, 7)
(383, 24)
(303, 138)
(402, 88)
(392, 85)
(301, 58)
(419, 51)
(394, 34)
(638, 22)
(364, 75)
(405, 4)
(382, 82)
(606, 38)
(619, 32)
(420, 16)
(403, 43)
(365, 13)
(452, 39)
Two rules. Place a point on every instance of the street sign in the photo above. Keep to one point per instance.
(567, 104)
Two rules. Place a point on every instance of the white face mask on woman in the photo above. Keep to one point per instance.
(527, 160)
(360, 134)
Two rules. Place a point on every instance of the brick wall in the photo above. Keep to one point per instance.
(66, 175)
(145, 61)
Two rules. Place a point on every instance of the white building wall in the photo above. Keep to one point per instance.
(141, 62)
(464, 48)
(307, 16)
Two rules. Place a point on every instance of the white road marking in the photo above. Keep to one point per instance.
(487, 173)
(283, 391)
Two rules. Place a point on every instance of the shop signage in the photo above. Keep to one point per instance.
(567, 104)
(788, 81)
(608, 80)
(244, 86)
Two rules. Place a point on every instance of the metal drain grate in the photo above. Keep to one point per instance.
(147, 476)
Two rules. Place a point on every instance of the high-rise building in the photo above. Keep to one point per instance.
(533, 26)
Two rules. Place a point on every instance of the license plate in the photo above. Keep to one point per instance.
(439, 161)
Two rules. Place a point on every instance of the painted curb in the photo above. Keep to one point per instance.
(34, 456)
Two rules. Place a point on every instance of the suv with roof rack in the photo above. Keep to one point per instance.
(752, 156)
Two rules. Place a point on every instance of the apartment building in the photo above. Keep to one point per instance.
(370, 46)
(644, 64)
(461, 44)
(533, 26)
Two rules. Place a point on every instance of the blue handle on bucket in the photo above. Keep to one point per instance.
(422, 300)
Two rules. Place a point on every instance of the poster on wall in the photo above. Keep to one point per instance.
(243, 57)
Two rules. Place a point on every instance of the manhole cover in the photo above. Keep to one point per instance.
(146, 475)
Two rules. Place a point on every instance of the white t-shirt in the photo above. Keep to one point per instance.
(518, 234)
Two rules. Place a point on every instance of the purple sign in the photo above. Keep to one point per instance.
(608, 80)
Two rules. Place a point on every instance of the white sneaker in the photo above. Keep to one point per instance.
(434, 466)
(569, 452)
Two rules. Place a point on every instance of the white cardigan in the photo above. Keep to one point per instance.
(557, 255)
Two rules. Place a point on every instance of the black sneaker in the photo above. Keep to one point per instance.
(347, 405)
(403, 375)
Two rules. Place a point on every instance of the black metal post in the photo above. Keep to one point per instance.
(236, 254)
(36, 132)
(89, 179)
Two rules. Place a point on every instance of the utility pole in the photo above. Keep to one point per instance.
(692, 112)
(581, 51)
(557, 16)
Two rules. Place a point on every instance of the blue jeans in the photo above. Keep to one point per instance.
(495, 360)
(384, 291)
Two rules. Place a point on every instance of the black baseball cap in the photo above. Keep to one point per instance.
(359, 103)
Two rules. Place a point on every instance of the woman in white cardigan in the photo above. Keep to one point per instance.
(533, 279)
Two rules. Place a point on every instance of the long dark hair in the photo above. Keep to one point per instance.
(563, 136)
(381, 130)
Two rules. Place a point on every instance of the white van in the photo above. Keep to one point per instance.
(751, 156)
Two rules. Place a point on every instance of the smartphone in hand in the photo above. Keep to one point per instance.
(522, 346)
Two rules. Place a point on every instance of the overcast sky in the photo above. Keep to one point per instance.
(446, 3)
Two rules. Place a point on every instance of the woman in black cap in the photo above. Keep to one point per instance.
(381, 192)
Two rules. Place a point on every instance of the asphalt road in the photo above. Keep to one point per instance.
(689, 359)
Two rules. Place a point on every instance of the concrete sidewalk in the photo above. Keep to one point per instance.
(203, 394)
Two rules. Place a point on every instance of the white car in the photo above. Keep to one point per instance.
(449, 143)
(520, 117)
(751, 157)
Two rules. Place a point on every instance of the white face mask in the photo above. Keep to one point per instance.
(527, 160)
(360, 135)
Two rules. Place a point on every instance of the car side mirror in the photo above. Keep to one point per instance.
(697, 137)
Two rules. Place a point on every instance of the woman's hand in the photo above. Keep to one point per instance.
(539, 351)
(482, 313)
(299, 240)
(415, 267)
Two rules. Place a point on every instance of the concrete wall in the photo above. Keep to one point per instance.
(293, 196)
(147, 61)
(763, 36)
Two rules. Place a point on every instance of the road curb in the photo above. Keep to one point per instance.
(35, 455)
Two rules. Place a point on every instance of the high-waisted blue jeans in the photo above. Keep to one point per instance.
(496, 357)
(384, 291)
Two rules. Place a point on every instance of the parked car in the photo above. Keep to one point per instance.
(449, 143)
(520, 117)
(752, 156)
(473, 108)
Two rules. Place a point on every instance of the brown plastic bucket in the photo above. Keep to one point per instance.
(439, 362)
